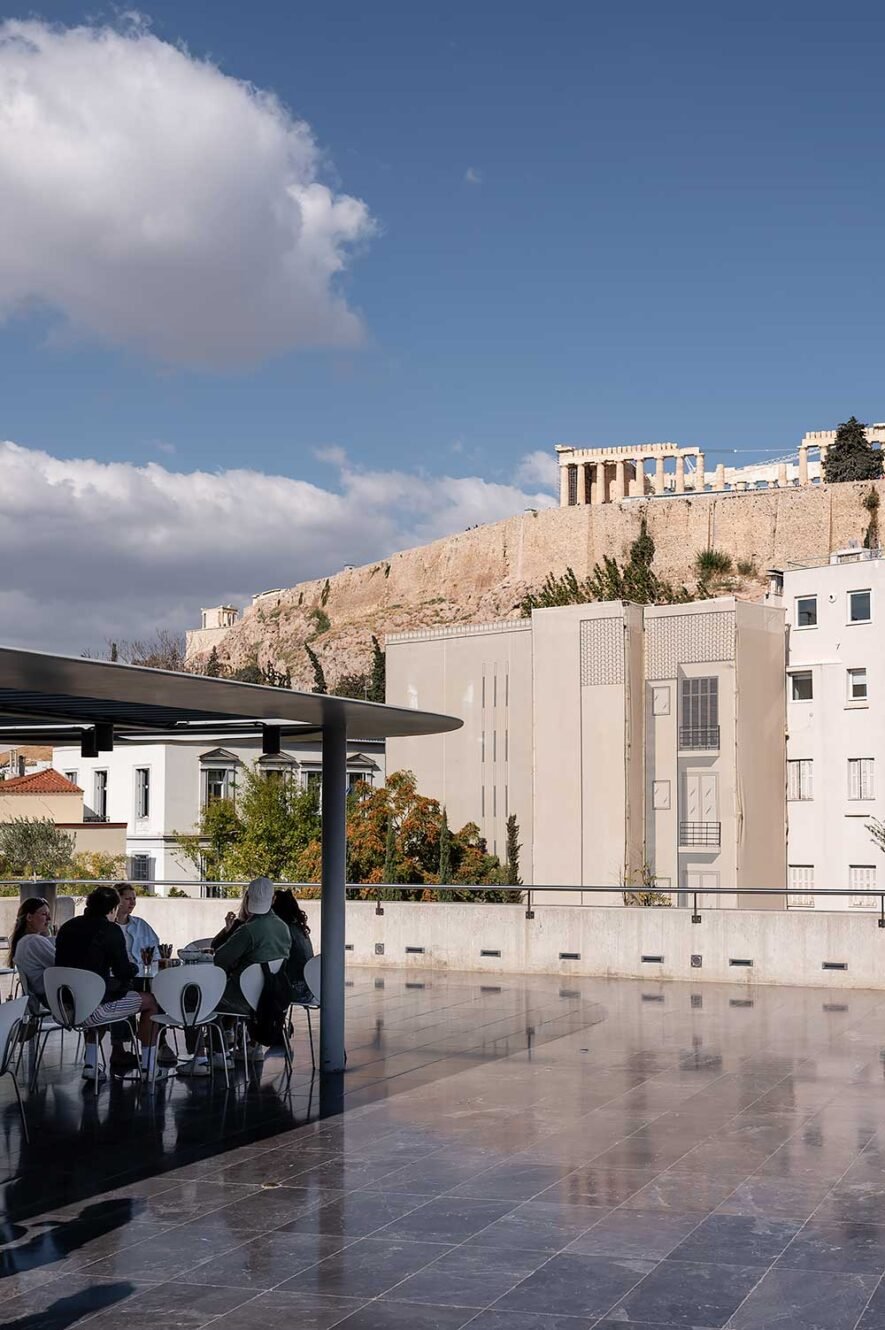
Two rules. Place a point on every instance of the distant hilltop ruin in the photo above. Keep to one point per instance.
(608, 475)
(768, 514)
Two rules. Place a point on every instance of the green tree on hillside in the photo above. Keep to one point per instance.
(635, 581)
(852, 456)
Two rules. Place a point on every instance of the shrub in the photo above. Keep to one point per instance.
(747, 567)
(178, 893)
(712, 563)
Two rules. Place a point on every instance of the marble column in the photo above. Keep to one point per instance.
(823, 458)
(582, 484)
(680, 474)
(782, 475)
(598, 490)
(719, 482)
(803, 464)
(659, 475)
(619, 489)
(700, 478)
(564, 473)
(637, 489)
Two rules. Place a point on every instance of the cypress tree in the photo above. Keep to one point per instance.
(319, 678)
(445, 850)
(852, 456)
(513, 849)
(378, 684)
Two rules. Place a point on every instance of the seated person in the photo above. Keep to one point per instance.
(262, 937)
(231, 923)
(139, 935)
(31, 949)
(93, 941)
(301, 948)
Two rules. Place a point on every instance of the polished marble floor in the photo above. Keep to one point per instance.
(513, 1153)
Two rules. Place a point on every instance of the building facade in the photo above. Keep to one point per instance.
(47, 795)
(157, 789)
(835, 728)
(634, 744)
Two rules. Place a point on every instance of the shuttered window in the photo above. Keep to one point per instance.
(800, 779)
(860, 778)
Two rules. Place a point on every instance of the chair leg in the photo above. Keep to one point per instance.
(40, 1049)
(21, 1107)
(313, 1061)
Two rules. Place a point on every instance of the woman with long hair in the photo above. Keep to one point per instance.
(31, 949)
(286, 907)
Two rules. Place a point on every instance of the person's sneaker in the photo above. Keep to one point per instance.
(166, 1056)
(194, 1067)
(160, 1074)
(255, 1053)
(221, 1062)
(94, 1074)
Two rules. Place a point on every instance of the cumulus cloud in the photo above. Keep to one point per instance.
(473, 176)
(92, 550)
(539, 468)
(154, 202)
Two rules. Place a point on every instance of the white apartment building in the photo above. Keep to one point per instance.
(159, 788)
(625, 738)
(835, 727)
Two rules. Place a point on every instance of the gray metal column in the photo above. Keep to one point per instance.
(333, 895)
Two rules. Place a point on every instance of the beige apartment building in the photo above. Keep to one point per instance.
(628, 740)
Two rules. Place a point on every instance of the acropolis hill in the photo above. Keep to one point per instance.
(481, 575)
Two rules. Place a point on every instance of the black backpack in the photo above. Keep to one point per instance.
(267, 1025)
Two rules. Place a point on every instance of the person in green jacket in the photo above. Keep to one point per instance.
(262, 937)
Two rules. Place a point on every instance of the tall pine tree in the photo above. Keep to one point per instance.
(445, 850)
(852, 456)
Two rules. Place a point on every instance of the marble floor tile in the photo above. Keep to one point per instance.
(805, 1300)
(687, 1294)
(647, 1234)
(576, 1285)
(736, 1240)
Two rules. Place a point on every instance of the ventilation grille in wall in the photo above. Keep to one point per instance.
(602, 651)
(687, 639)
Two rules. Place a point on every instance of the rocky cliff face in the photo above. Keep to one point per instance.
(482, 574)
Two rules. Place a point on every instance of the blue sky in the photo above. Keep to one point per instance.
(676, 234)
(277, 349)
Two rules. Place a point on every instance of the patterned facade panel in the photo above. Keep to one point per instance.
(602, 651)
(687, 639)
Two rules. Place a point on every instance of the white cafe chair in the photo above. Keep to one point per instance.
(313, 977)
(188, 996)
(73, 996)
(251, 987)
(12, 1013)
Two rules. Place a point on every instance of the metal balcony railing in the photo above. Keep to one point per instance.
(699, 736)
(699, 834)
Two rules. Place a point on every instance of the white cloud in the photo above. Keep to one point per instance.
(473, 176)
(156, 203)
(539, 468)
(92, 550)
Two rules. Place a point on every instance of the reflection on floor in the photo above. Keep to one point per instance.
(514, 1153)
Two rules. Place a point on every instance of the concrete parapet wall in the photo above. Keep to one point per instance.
(784, 947)
(789, 947)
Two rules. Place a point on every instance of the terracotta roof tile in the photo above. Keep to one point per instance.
(47, 781)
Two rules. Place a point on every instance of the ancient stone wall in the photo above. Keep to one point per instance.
(482, 574)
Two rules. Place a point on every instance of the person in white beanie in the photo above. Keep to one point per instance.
(263, 937)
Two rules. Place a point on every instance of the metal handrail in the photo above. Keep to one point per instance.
(528, 894)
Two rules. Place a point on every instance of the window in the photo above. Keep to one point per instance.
(660, 700)
(862, 877)
(801, 879)
(71, 776)
(857, 685)
(860, 778)
(700, 713)
(355, 779)
(859, 610)
(800, 686)
(142, 791)
(140, 868)
(101, 795)
(217, 784)
(806, 611)
(799, 779)
(313, 780)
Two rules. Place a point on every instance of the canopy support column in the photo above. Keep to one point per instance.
(333, 900)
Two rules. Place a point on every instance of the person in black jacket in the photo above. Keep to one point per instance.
(94, 941)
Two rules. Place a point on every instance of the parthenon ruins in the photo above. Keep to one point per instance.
(607, 475)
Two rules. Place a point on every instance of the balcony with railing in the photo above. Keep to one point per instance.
(699, 737)
(699, 835)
